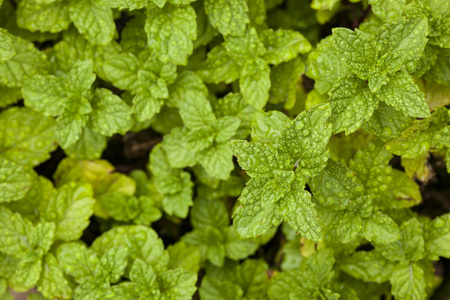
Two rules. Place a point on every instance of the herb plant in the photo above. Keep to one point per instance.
(225, 149)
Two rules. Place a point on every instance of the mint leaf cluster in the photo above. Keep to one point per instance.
(224, 149)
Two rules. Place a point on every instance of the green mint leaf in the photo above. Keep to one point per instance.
(255, 83)
(421, 137)
(417, 167)
(178, 157)
(76, 260)
(325, 65)
(41, 188)
(284, 78)
(121, 207)
(143, 277)
(196, 112)
(404, 40)
(209, 213)
(251, 276)
(215, 289)
(268, 127)
(170, 32)
(426, 61)
(174, 184)
(409, 248)
(90, 145)
(217, 160)
(245, 281)
(149, 212)
(387, 10)
(15, 181)
(27, 62)
(234, 105)
(15, 233)
(142, 242)
(122, 70)
(109, 113)
(218, 67)
(305, 140)
(353, 218)
(444, 136)
(93, 19)
(439, 72)
(236, 248)
(205, 30)
(112, 264)
(123, 291)
(182, 255)
(211, 242)
(324, 4)
(368, 266)
(393, 189)
(402, 93)
(52, 282)
(298, 210)
(437, 236)
(226, 128)
(187, 86)
(9, 96)
(246, 47)
(131, 35)
(80, 79)
(177, 284)
(28, 141)
(7, 50)
(145, 106)
(258, 159)
(70, 209)
(314, 274)
(352, 103)
(380, 228)
(249, 218)
(228, 16)
(387, 123)
(335, 185)
(356, 48)
(408, 282)
(45, 94)
(134, 4)
(27, 273)
(283, 45)
(69, 128)
(52, 17)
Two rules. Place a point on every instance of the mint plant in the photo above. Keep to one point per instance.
(224, 149)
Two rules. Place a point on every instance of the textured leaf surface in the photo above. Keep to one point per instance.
(401, 93)
(407, 282)
(255, 83)
(356, 49)
(109, 113)
(351, 103)
(7, 49)
(142, 242)
(94, 20)
(15, 181)
(52, 17)
(305, 140)
(283, 45)
(70, 209)
(170, 32)
(27, 136)
(228, 16)
(404, 40)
